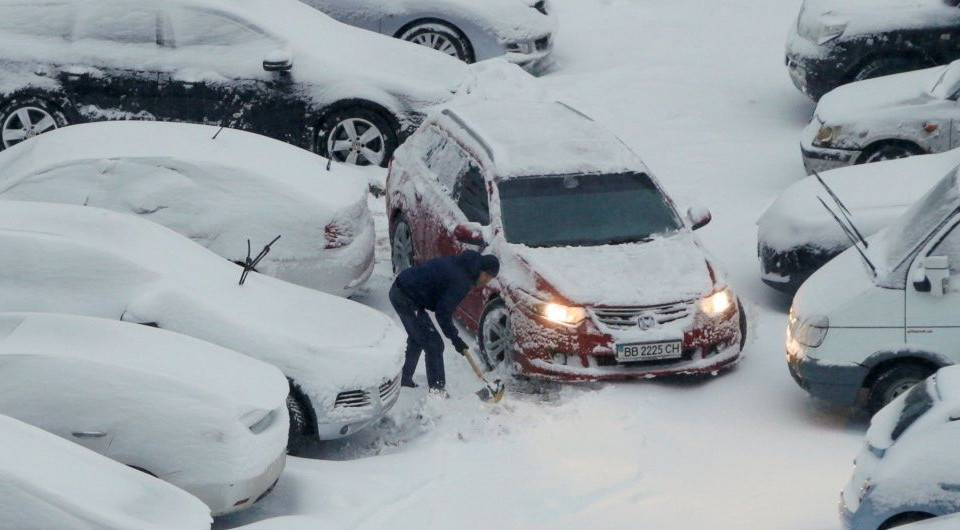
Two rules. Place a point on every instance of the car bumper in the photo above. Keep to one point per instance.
(814, 70)
(820, 159)
(348, 418)
(838, 383)
(241, 494)
(543, 47)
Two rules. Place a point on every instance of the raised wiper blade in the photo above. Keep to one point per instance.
(251, 264)
(843, 209)
(850, 236)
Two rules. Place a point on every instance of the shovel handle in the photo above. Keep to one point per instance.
(473, 364)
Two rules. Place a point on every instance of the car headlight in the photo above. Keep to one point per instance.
(554, 312)
(525, 47)
(826, 136)
(828, 32)
(717, 303)
(811, 331)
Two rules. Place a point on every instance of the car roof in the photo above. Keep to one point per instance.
(536, 138)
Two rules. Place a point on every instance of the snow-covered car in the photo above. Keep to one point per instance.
(909, 467)
(521, 31)
(796, 236)
(944, 522)
(206, 419)
(834, 42)
(273, 67)
(217, 187)
(343, 359)
(47, 482)
(601, 277)
(890, 117)
(884, 314)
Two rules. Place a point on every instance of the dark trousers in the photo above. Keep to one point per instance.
(421, 336)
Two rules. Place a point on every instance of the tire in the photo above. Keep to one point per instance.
(402, 254)
(894, 381)
(357, 136)
(302, 421)
(889, 151)
(887, 66)
(441, 37)
(41, 115)
(904, 519)
(495, 339)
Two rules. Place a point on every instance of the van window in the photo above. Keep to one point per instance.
(471, 195)
(129, 25)
(950, 246)
(37, 19)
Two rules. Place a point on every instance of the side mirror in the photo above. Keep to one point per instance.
(469, 234)
(278, 61)
(932, 276)
(699, 216)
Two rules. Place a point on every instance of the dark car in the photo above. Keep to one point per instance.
(273, 67)
(835, 42)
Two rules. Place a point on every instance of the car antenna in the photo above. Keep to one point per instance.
(843, 209)
(850, 235)
(251, 264)
(220, 130)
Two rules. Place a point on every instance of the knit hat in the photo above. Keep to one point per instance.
(490, 264)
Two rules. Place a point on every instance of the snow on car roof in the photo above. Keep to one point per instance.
(534, 138)
(245, 382)
(86, 486)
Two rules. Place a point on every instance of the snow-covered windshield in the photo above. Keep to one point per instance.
(895, 245)
(585, 210)
(948, 82)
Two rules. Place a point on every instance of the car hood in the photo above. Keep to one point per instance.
(872, 16)
(851, 103)
(663, 271)
(241, 381)
(827, 292)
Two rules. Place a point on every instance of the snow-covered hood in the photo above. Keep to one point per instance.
(241, 381)
(873, 16)
(875, 194)
(854, 102)
(666, 270)
(155, 275)
(832, 288)
(87, 487)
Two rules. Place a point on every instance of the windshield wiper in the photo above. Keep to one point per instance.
(251, 264)
(850, 235)
(843, 210)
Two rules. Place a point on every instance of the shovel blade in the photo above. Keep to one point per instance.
(492, 393)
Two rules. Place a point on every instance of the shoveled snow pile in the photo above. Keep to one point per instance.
(48, 482)
(217, 187)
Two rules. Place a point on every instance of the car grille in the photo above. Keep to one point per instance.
(628, 317)
(541, 6)
(389, 390)
(353, 399)
(542, 43)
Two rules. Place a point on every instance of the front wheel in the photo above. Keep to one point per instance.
(496, 339)
(24, 118)
(894, 382)
(887, 66)
(302, 422)
(889, 151)
(440, 37)
(357, 136)
(402, 253)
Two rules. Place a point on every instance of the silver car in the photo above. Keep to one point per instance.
(521, 31)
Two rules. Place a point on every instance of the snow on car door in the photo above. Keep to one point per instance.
(473, 208)
(434, 232)
(933, 322)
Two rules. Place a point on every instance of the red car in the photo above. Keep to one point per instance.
(601, 277)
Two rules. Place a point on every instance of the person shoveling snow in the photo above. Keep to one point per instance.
(438, 285)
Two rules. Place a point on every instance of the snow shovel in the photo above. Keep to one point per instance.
(493, 392)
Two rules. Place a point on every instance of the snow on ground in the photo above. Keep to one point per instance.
(699, 90)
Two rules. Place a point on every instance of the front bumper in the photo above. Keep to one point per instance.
(241, 494)
(786, 270)
(542, 48)
(838, 383)
(820, 159)
(814, 69)
(356, 410)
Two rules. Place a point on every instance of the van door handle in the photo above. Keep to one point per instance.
(89, 434)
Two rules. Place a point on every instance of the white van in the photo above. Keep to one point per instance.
(885, 314)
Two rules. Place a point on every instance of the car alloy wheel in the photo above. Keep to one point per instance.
(496, 336)
(894, 382)
(440, 37)
(436, 41)
(25, 123)
(401, 246)
(358, 142)
(889, 152)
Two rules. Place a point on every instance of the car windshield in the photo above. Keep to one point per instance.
(585, 210)
(948, 82)
(918, 401)
(894, 246)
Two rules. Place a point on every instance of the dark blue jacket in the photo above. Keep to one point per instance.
(439, 285)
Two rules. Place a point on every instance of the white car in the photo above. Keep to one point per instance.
(909, 468)
(217, 187)
(885, 118)
(206, 419)
(343, 358)
(520, 31)
(881, 318)
(47, 482)
(944, 522)
(796, 235)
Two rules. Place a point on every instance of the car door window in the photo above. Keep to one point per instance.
(447, 162)
(122, 24)
(471, 195)
(37, 19)
(192, 27)
(949, 246)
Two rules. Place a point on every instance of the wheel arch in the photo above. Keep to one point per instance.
(880, 142)
(56, 96)
(921, 57)
(882, 361)
(352, 101)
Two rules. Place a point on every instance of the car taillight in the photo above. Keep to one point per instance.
(338, 235)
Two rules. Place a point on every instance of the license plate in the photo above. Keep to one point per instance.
(649, 351)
